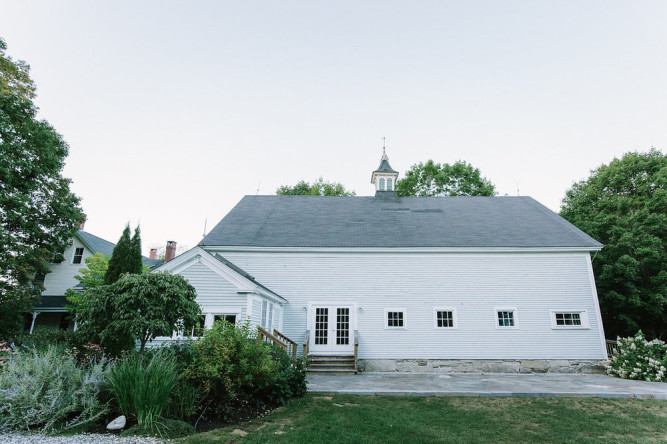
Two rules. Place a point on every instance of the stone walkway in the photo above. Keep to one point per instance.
(557, 385)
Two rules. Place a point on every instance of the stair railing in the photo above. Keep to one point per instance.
(306, 348)
(291, 345)
(356, 348)
(279, 340)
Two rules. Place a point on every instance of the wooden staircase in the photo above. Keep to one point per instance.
(337, 365)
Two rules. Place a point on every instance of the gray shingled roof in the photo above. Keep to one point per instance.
(99, 245)
(385, 167)
(324, 221)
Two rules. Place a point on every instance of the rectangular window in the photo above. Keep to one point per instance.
(78, 255)
(445, 318)
(265, 307)
(269, 324)
(395, 318)
(564, 319)
(231, 318)
(506, 318)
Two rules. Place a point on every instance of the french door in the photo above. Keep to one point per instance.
(332, 329)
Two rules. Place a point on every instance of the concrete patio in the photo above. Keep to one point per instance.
(556, 385)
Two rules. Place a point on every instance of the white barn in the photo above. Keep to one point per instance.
(449, 284)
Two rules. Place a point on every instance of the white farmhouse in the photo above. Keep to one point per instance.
(406, 283)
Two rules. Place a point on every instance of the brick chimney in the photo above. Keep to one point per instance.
(83, 224)
(153, 254)
(171, 251)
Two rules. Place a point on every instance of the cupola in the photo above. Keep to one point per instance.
(384, 178)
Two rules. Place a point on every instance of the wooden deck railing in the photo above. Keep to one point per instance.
(612, 347)
(291, 345)
(279, 340)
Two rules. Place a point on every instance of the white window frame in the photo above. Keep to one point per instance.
(381, 186)
(503, 327)
(390, 184)
(83, 251)
(583, 315)
(396, 309)
(455, 320)
(266, 315)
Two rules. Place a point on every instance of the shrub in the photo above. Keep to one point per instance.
(231, 363)
(142, 386)
(45, 389)
(639, 359)
(289, 382)
(44, 337)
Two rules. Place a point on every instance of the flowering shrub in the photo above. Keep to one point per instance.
(46, 390)
(639, 359)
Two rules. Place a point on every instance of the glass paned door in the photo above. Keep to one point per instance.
(332, 329)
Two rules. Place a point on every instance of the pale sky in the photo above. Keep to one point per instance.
(175, 110)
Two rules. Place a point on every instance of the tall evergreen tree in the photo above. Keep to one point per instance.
(126, 256)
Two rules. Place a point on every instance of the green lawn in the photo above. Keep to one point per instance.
(348, 418)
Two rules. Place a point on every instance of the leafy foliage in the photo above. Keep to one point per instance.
(432, 179)
(90, 277)
(138, 306)
(46, 390)
(126, 256)
(317, 188)
(230, 363)
(142, 386)
(624, 206)
(640, 359)
(38, 212)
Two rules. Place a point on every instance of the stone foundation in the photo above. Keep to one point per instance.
(481, 366)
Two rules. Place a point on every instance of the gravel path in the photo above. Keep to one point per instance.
(86, 438)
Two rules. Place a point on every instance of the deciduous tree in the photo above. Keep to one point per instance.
(138, 307)
(317, 188)
(433, 179)
(624, 206)
(38, 212)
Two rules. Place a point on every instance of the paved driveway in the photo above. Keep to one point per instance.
(593, 386)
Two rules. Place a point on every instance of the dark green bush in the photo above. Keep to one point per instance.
(44, 337)
(231, 363)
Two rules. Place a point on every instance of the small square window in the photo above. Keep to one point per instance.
(78, 255)
(444, 319)
(506, 318)
(395, 318)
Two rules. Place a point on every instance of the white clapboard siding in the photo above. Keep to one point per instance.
(214, 294)
(473, 283)
(61, 278)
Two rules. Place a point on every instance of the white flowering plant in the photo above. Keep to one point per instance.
(637, 358)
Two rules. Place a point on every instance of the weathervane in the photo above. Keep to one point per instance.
(384, 152)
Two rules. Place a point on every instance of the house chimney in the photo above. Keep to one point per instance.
(171, 251)
(83, 224)
(153, 254)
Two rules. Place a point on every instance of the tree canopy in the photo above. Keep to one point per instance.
(433, 179)
(138, 307)
(38, 212)
(624, 206)
(126, 256)
(317, 188)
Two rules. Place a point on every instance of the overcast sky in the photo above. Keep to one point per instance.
(174, 110)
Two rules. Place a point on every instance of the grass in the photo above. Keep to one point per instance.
(371, 419)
